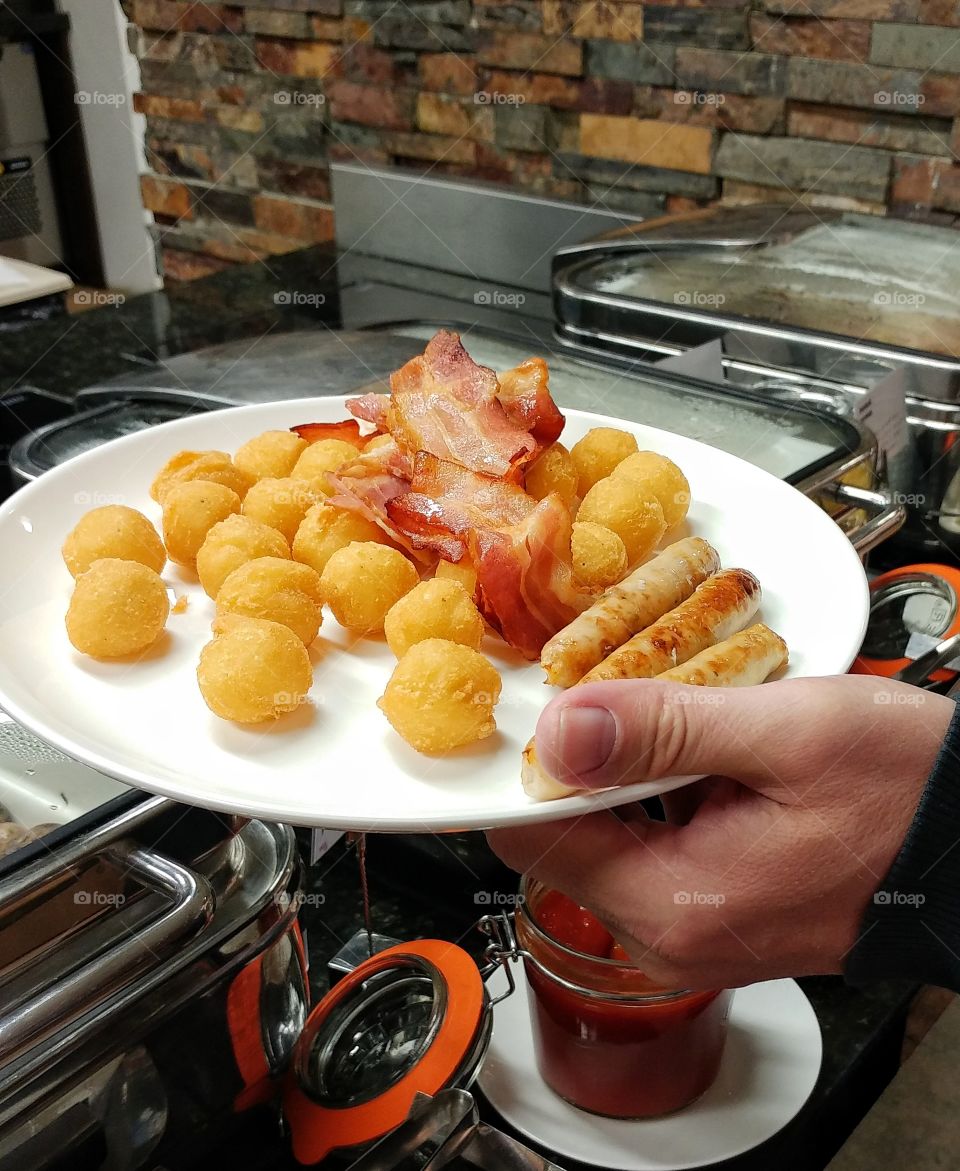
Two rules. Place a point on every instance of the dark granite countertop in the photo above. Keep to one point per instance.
(427, 885)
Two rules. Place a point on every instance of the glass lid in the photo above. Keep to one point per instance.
(877, 280)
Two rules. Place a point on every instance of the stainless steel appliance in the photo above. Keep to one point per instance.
(816, 307)
(152, 971)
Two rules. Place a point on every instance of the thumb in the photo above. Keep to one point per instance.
(619, 732)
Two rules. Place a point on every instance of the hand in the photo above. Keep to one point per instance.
(765, 869)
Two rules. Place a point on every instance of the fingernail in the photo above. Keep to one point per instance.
(586, 739)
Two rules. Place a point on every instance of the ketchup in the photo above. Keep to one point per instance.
(647, 1055)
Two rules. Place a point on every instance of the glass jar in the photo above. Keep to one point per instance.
(606, 1039)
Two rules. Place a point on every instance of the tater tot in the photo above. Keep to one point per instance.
(231, 543)
(433, 609)
(461, 571)
(272, 453)
(326, 528)
(199, 465)
(361, 582)
(281, 503)
(113, 531)
(598, 453)
(619, 504)
(118, 608)
(190, 511)
(659, 477)
(441, 696)
(599, 555)
(253, 670)
(553, 471)
(277, 590)
(326, 455)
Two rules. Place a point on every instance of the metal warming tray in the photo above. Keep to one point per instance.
(830, 458)
(818, 307)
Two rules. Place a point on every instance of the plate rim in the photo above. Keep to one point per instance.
(530, 813)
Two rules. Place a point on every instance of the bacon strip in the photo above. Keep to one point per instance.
(442, 402)
(372, 408)
(369, 483)
(519, 547)
(525, 396)
(348, 430)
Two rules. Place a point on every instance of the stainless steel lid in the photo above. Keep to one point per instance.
(839, 296)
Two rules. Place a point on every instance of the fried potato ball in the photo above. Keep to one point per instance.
(441, 696)
(276, 590)
(326, 455)
(553, 471)
(362, 581)
(272, 453)
(230, 544)
(377, 441)
(326, 528)
(598, 453)
(461, 571)
(199, 465)
(660, 477)
(113, 531)
(433, 609)
(618, 503)
(281, 503)
(253, 670)
(599, 556)
(190, 511)
(118, 608)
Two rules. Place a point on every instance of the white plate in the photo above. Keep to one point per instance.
(769, 1068)
(337, 762)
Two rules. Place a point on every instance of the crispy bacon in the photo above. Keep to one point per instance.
(525, 396)
(519, 547)
(348, 430)
(372, 408)
(442, 402)
(369, 483)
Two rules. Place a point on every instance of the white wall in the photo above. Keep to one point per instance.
(109, 75)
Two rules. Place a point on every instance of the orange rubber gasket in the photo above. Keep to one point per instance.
(317, 1130)
(886, 668)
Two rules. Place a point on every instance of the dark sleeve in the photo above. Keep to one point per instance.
(911, 928)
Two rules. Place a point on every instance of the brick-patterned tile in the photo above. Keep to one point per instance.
(613, 20)
(839, 83)
(165, 197)
(179, 265)
(739, 194)
(722, 71)
(647, 142)
(459, 118)
(447, 73)
(181, 109)
(907, 46)
(945, 12)
(370, 105)
(602, 95)
(297, 58)
(804, 165)
(914, 180)
(847, 9)
(309, 222)
(529, 52)
(864, 128)
(544, 89)
(236, 118)
(366, 63)
(940, 93)
(292, 178)
(802, 36)
(431, 147)
(181, 15)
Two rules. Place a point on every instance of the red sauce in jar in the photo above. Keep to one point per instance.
(648, 1055)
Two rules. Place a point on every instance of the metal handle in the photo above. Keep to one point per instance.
(886, 515)
(83, 991)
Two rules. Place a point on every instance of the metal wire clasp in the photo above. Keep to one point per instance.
(502, 950)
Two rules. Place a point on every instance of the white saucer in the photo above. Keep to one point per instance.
(770, 1066)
